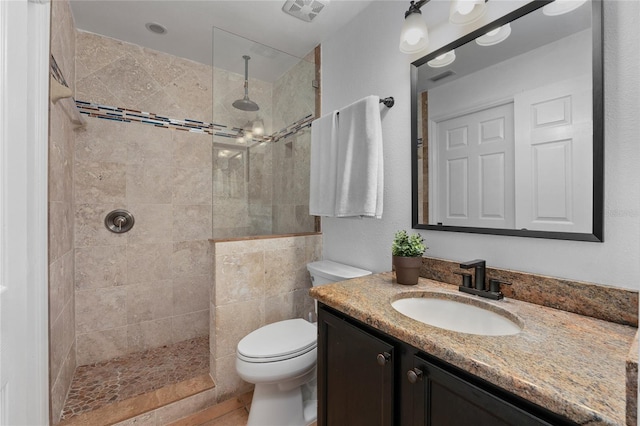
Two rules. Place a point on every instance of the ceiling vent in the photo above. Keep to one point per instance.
(306, 10)
(443, 75)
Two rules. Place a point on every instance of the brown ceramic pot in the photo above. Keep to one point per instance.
(407, 269)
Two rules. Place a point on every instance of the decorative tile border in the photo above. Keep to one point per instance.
(126, 115)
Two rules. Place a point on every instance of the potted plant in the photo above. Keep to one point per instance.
(407, 253)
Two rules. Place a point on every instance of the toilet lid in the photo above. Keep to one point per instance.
(279, 339)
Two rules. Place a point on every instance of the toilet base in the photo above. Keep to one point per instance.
(271, 405)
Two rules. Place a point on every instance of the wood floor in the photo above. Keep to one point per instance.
(233, 412)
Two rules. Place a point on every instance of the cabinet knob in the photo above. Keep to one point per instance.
(414, 375)
(383, 358)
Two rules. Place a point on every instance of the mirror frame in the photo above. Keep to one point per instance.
(597, 234)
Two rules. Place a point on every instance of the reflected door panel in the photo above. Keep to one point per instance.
(473, 155)
(553, 157)
(473, 163)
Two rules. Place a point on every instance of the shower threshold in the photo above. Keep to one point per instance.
(123, 387)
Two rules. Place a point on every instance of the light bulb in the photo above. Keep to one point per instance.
(560, 7)
(412, 36)
(443, 60)
(494, 32)
(247, 130)
(258, 127)
(495, 36)
(463, 12)
(465, 7)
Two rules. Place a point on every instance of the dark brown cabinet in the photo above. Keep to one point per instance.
(367, 378)
(444, 399)
(356, 386)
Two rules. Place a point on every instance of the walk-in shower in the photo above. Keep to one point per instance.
(164, 141)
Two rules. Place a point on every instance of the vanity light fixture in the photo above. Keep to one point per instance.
(463, 12)
(246, 133)
(443, 60)
(414, 36)
(251, 128)
(241, 138)
(496, 36)
(248, 130)
(560, 7)
(258, 127)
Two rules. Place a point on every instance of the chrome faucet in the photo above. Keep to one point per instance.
(478, 287)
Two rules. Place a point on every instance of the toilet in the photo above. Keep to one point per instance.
(280, 359)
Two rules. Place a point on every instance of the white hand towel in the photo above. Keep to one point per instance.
(360, 179)
(322, 179)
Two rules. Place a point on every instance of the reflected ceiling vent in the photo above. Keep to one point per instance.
(441, 76)
(306, 10)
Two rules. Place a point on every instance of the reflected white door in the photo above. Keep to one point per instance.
(554, 157)
(475, 169)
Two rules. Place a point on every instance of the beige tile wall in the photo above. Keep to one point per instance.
(112, 72)
(62, 351)
(257, 282)
(150, 286)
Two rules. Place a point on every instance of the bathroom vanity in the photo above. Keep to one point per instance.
(377, 366)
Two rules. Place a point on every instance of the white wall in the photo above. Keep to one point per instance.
(561, 60)
(363, 58)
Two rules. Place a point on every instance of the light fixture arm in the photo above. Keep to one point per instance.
(414, 7)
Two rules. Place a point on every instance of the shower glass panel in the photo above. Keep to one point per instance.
(260, 158)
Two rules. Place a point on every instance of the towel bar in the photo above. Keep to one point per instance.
(388, 102)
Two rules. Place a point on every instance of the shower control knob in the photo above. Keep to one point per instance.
(414, 375)
(119, 221)
(383, 358)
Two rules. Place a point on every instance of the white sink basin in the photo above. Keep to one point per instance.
(458, 316)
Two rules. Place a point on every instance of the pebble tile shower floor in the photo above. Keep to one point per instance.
(96, 385)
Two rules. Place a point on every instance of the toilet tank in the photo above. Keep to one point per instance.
(327, 271)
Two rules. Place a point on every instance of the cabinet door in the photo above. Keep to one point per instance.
(355, 375)
(445, 399)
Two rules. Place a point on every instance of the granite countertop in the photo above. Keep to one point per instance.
(570, 364)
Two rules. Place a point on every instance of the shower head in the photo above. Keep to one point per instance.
(246, 104)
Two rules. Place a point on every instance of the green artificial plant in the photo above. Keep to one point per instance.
(406, 245)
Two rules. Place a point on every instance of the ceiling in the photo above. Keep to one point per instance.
(189, 25)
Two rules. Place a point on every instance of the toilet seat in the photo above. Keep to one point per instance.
(278, 341)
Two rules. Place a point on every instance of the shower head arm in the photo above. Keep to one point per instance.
(246, 76)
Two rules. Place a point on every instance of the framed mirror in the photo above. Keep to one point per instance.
(507, 132)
